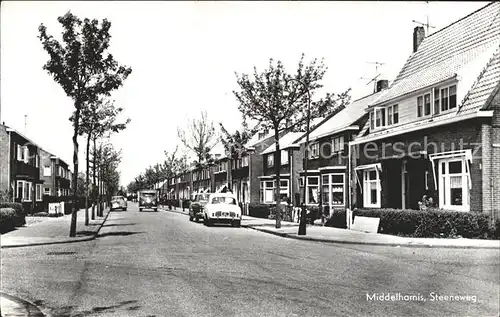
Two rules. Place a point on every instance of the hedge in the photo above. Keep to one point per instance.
(425, 224)
(11, 216)
(46, 214)
(258, 210)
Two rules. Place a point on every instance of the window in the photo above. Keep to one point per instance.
(284, 157)
(38, 192)
(46, 191)
(420, 106)
(379, 117)
(448, 98)
(338, 144)
(371, 188)
(424, 105)
(372, 120)
(244, 161)
(22, 153)
(314, 150)
(436, 100)
(394, 117)
(333, 189)
(267, 191)
(312, 189)
(47, 171)
(270, 159)
(427, 104)
(454, 184)
(24, 191)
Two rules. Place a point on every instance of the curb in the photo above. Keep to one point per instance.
(82, 239)
(176, 211)
(339, 241)
(32, 309)
(388, 244)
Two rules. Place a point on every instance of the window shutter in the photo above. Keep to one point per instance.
(19, 152)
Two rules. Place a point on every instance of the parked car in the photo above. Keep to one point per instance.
(198, 202)
(118, 202)
(148, 199)
(222, 208)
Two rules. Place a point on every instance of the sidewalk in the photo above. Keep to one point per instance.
(53, 231)
(346, 236)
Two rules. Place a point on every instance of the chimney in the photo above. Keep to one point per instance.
(382, 84)
(418, 37)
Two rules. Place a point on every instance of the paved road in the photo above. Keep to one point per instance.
(160, 264)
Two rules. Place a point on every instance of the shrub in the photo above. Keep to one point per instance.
(7, 219)
(429, 223)
(337, 219)
(19, 212)
(46, 214)
(258, 210)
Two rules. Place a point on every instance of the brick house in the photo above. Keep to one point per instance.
(436, 130)
(291, 163)
(327, 179)
(20, 169)
(55, 174)
(220, 172)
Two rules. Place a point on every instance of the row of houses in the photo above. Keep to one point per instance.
(434, 131)
(28, 172)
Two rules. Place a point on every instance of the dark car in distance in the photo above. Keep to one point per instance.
(198, 202)
(148, 199)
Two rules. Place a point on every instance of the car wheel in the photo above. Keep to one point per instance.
(155, 209)
(190, 218)
(140, 209)
(237, 223)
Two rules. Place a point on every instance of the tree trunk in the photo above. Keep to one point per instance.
(98, 193)
(87, 180)
(72, 229)
(94, 198)
(277, 168)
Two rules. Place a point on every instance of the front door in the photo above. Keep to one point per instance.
(413, 176)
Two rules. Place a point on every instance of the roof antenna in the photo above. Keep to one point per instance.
(427, 25)
(25, 124)
(377, 64)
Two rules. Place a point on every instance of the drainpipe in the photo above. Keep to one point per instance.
(348, 209)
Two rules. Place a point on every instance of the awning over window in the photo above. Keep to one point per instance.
(377, 166)
(467, 154)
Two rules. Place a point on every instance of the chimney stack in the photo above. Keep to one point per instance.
(382, 84)
(418, 37)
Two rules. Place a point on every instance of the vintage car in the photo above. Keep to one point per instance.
(148, 199)
(222, 208)
(198, 202)
(118, 202)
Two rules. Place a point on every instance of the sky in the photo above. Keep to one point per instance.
(184, 56)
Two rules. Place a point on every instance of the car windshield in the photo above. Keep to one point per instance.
(224, 200)
(203, 198)
(148, 195)
(118, 198)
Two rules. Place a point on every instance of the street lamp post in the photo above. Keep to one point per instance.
(302, 222)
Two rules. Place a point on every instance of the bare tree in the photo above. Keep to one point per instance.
(200, 137)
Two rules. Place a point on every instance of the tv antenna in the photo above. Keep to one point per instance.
(427, 25)
(377, 74)
(25, 123)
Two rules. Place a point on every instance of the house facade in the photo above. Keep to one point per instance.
(290, 164)
(436, 130)
(327, 184)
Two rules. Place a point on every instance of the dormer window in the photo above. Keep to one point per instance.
(424, 105)
(314, 150)
(448, 98)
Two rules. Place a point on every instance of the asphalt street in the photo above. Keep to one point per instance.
(161, 264)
